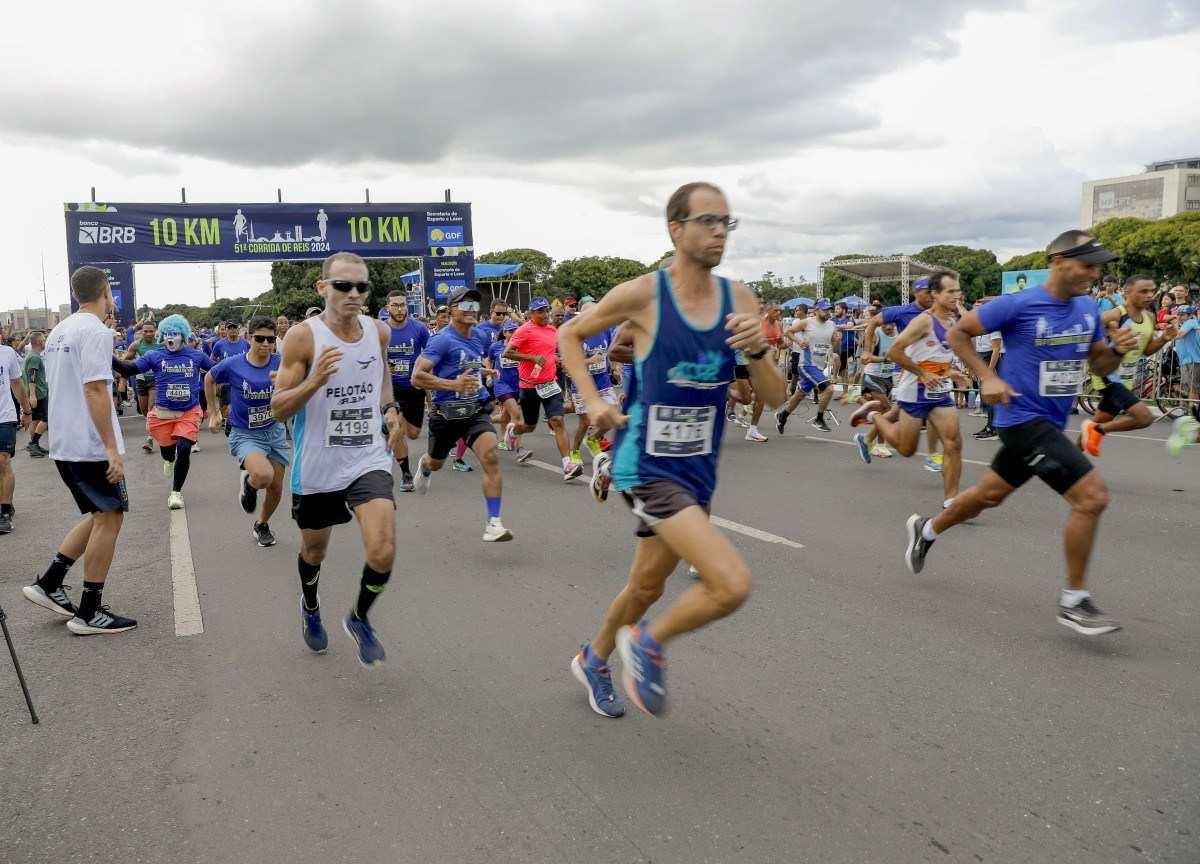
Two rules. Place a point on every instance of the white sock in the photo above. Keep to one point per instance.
(1071, 599)
(946, 504)
(928, 533)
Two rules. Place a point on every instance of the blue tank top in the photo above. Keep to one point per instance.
(676, 401)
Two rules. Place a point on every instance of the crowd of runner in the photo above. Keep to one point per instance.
(654, 371)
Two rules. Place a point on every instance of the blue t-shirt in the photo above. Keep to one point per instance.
(250, 390)
(176, 376)
(486, 333)
(509, 381)
(1046, 345)
(601, 372)
(223, 349)
(849, 337)
(1187, 345)
(405, 345)
(901, 316)
(453, 354)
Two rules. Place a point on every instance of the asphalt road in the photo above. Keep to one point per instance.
(850, 712)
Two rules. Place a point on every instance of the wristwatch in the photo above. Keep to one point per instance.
(756, 355)
(389, 406)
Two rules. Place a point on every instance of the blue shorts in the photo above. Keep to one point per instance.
(8, 438)
(270, 441)
(811, 377)
(922, 409)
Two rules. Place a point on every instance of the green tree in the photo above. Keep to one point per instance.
(1028, 261)
(538, 265)
(978, 271)
(592, 275)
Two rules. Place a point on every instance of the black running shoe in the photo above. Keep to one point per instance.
(918, 546)
(406, 482)
(1087, 619)
(262, 533)
(247, 494)
(56, 601)
(986, 435)
(103, 621)
(819, 423)
(780, 420)
(5, 523)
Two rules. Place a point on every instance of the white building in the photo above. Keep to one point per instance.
(1163, 189)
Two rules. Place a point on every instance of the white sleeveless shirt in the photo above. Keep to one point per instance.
(338, 434)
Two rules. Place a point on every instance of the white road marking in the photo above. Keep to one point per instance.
(853, 444)
(747, 530)
(1123, 435)
(188, 620)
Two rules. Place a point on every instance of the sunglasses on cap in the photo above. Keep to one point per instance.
(346, 285)
(258, 337)
(468, 306)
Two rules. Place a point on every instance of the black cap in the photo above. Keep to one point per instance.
(462, 294)
(1091, 251)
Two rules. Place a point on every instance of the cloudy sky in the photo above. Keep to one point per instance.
(862, 126)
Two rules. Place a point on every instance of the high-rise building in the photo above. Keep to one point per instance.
(1163, 189)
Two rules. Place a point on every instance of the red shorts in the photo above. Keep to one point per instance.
(165, 430)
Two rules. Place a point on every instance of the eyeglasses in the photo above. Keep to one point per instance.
(346, 286)
(711, 221)
(468, 305)
(268, 339)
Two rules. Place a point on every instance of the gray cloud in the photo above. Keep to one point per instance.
(623, 83)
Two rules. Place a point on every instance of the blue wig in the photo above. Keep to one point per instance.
(175, 324)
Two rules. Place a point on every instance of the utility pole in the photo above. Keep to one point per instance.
(45, 302)
(213, 279)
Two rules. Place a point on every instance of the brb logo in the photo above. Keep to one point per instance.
(446, 235)
(93, 232)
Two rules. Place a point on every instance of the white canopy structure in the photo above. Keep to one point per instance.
(878, 270)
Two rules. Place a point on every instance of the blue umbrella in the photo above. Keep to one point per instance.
(797, 301)
(852, 301)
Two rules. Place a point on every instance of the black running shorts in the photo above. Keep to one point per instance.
(412, 404)
(532, 404)
(1038, 448)
(871, 384)
(444, 434)
(319, 510)
(89, 486)
(741, 372)
(1116, 399)
(8, 438)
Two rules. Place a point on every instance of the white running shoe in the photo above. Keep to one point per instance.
(168, 469)
(756, 436)
(175, 501)
(882, 451)
(524, 455)
(196, 446)
(422, 481)
(495, 532)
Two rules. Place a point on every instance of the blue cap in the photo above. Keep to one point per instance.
(509, 326)
(823, 304)
(538, 303)
(921, 284)
(1186, 310)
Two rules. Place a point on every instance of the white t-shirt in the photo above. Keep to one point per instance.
(983, 344)
(78, 350)
(11, 368)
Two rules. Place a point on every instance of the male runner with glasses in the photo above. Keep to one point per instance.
(1051, 334)
(406, 340)
(334, 380)
(687, 326)
(451, 368)
(257, 441)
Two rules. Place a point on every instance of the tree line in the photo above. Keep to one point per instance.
(1168, 249)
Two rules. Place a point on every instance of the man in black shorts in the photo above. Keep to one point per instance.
(1051, 334)
(534, 345)
(39, 392)
(451, 368)
(87, 449)
(406, 340)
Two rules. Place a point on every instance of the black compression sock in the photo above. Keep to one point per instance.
(183, 462)
(89, 601)
(370, 587)
(820, 415)
(310, 575)
(53, 578)
(404, 465)
(35, 437)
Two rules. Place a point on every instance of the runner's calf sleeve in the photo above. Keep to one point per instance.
(370, 587)
(183, 462)
(310, 575)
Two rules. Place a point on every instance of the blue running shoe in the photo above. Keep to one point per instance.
(370, 652)
(315, 636)
(598, 681)
(645, 673)
(864, 452)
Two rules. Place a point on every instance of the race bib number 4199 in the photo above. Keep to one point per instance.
(350, 427)
(678, 431)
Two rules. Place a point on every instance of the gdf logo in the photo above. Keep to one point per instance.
(91, 232)
(448, 235)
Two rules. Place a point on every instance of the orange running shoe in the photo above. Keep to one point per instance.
(1092, 437)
